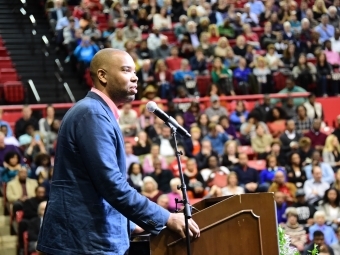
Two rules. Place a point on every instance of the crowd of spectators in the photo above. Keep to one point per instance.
(232, 150)
(280, 146)
(237, 45)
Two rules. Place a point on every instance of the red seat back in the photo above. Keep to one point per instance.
(203, 83)
(173, 64)
(171, 36)
(5, 62)
(3, 52)
(279, 81)
(101, 18)
(14, 92)
(8, 74)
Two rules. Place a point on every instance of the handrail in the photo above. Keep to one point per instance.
(59, 65)
(34, 90)
(57, 75)
(176, 100)
(23, 11)
(33, 21)
(69, 92)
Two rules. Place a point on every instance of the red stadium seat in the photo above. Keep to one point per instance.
(279, 81)
(2, 43)
(173, 64)
(258, 30)
(247, 150)
(3, 52)
(14, 92)
(8, 74)
(101, 18)
(203, 83)
(312, 60)
(257, 164)
(102, 26)
(19, 215)
(171, 36)
(88, 78)
(131, 140)
(25, 238)
(232, 43)
(145, 36)
(5, 62)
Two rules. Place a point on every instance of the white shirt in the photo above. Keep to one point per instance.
(11, 141)
(333, 212)
(335, 44)
(166, 149)
(291, 136)
(253, 17)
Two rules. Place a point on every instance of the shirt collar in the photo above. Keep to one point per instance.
(109, 102)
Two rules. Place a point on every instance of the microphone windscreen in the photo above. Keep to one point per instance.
(151, 106)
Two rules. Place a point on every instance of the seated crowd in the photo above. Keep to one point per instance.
(232, 150)
(280, 146)
(238, 47)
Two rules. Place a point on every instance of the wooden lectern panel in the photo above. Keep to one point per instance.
(237, 225)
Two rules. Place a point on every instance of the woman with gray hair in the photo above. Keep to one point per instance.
(150, 189)
(294, 230)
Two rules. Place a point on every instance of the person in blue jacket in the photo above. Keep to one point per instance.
(239, 116)
(92, 209)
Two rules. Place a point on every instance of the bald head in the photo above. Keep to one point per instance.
(113, 72)
(103, 60)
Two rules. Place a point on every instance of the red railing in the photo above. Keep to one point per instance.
(205, 100)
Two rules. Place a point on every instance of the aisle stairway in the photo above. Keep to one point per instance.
(7, 242)
(27, 51)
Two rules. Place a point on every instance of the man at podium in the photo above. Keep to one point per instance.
(92, 209)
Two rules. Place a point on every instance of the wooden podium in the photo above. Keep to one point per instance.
(235, 225)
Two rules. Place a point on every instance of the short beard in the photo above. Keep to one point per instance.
(121, 97)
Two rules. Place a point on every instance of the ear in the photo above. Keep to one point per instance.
(101, 74)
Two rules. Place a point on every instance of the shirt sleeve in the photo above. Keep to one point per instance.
(95, 137)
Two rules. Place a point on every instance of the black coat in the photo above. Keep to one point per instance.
(33, 229)
(30, 208)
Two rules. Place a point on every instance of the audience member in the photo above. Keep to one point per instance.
(161, 176)
(304, 210)
(319, 243)
(27, 118)
(215, 109)
(288, 189)
(30, 205)
(331, 152)
(247, 176)
(135, 176)
(175, 193)
(330, 206)
(267, 175)
(320, 224)
(20, 189)
(315, 188)
(281, 207)
(150, 189)
(295, 172)
(11, 166)
(294, 230)
(317, 137)
(34, 227)
(326, 170)
(290, 138)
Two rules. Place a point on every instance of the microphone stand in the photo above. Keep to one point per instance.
(185, 200)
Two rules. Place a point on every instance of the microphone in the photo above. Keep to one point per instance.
(152, 107)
